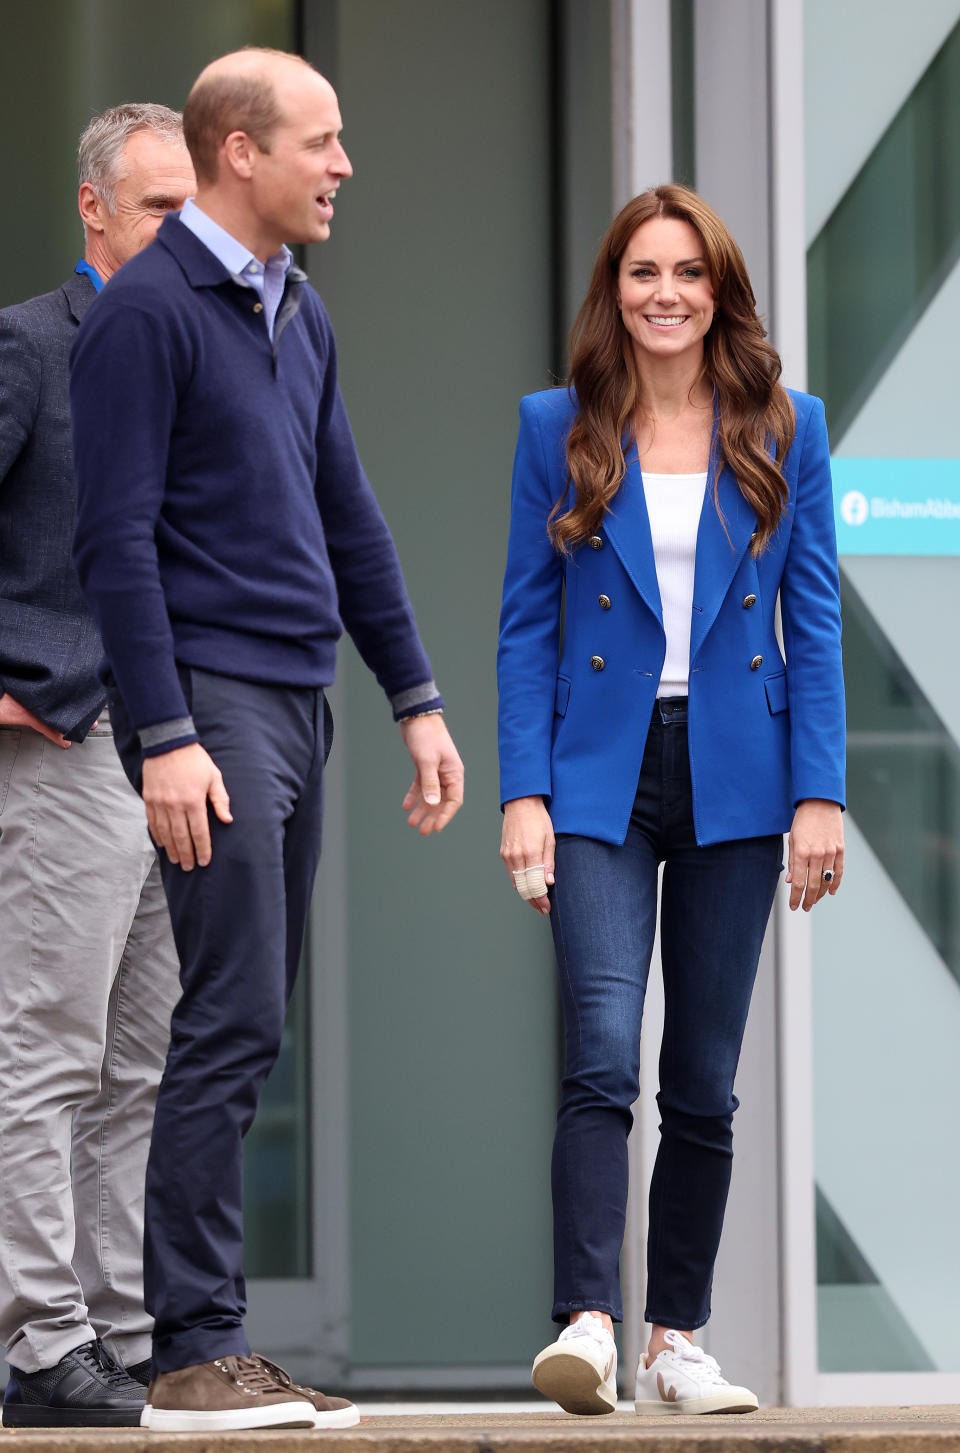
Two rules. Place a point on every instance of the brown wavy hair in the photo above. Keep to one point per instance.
(755, 415)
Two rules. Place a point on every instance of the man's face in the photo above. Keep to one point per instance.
(293, 185)
(156, 178)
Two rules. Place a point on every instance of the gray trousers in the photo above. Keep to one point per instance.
(88, 979)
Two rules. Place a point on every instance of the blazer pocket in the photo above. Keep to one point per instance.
(776, 689)
(562, 696)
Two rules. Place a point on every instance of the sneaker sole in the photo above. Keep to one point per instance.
(224, 1420)
(39, 1415)
(572, 1382)
(695, 1406)
(339, 1418)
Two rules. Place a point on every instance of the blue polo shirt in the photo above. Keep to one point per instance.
(88, 270)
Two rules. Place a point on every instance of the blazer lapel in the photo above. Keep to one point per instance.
(720, 548)
(627, 527)
(720, 545)
(79, 293)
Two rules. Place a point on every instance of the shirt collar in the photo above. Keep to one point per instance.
(236, 258)
(89, 271)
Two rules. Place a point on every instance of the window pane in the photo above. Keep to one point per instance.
(67, 60)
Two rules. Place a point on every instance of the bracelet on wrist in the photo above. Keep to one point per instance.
(414, 716)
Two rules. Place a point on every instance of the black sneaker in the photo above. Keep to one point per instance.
(86, 1389)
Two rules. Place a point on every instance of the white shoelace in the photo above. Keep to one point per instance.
(588, 1326)
(708, 1368)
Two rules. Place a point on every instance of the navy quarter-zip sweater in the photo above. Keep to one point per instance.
(223, 518)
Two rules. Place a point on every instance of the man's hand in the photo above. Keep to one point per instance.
(527, 841)
(176, 788)
(15, 715)
(816, 847)
(436, 793)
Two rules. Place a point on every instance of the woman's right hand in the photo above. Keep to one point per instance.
(528, 842)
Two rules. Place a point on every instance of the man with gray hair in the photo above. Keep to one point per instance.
(88, 971)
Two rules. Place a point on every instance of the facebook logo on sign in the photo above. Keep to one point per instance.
(854, 507)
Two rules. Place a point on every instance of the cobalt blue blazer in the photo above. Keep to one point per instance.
(764, 733)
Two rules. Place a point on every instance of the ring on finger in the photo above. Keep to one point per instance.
(828, 875)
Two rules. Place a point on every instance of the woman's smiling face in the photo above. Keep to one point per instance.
(664, 290)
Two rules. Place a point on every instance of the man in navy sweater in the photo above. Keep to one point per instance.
(225, 528)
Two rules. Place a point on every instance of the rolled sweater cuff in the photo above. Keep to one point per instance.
(167, 736)
(416, 701)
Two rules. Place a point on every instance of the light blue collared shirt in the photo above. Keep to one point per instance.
(267, 279)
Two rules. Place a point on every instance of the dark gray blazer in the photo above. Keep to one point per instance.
(49, 646)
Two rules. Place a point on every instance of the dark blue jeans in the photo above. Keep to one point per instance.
(715, 904)
(238, 926)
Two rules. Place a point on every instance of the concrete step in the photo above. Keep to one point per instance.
(772, 1430)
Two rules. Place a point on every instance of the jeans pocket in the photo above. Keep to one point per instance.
(10, 738)
(327, 729)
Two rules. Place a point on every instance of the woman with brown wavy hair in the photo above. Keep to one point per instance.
(664, 503)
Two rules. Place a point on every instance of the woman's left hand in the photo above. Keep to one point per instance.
(816, 848)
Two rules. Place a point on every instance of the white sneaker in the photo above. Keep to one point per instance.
(684, 1379)
(579, 1370)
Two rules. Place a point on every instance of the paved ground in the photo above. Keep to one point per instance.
(772, 1430)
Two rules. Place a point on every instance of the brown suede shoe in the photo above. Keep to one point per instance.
(329, 1412)
(230, 1392)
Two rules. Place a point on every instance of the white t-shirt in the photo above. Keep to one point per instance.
(674, 503)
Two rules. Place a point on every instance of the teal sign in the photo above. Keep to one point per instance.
(897, 506)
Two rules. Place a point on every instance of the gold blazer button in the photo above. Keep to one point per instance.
(748, 601)
(756, 663)
(595, 542)
(604, 601)
(597, 662)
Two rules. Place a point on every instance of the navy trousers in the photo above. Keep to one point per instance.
(238, 925)
(715, 904)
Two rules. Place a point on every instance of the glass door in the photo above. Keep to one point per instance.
(883, 182)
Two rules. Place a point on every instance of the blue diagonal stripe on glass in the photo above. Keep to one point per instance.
(903, 778)
(886, 248)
